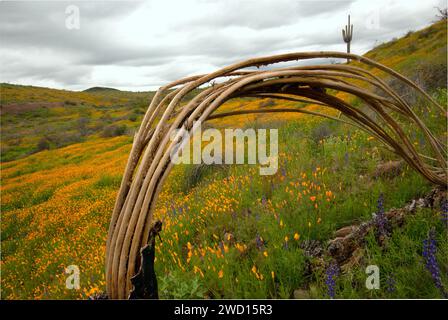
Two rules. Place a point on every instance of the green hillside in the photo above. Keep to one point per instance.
(35, 119)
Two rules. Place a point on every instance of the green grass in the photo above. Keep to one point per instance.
(356, 199)
(108, 181)
(402, 260)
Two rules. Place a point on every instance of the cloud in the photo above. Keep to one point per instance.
(262, 14)
(145, 44)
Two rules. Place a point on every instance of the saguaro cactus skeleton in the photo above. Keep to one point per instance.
(347, 35)
(383, 115)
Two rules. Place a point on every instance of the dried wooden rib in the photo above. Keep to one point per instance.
(149, 163)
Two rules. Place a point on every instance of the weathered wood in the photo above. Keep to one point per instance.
(145, 280)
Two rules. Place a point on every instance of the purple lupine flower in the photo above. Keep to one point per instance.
(390, 283)
(422, 141)
(173, 210)
(283, 171)
(285, 245)
(444, 214)
(221, 246)
(381, 223)
(259, 242)
(429, 254)
(331, 273)
(380, 204)
(263, 201)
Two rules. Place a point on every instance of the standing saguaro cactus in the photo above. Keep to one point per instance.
(347, 35)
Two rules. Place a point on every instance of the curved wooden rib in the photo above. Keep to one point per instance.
(149, 162)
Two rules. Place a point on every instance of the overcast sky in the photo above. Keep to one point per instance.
(140, 45)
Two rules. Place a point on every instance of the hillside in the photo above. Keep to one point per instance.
(101, 89)
(35, 119)
(227, 231)
(96, 96)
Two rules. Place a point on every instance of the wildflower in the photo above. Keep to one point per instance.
(265, 253)
(429, 254)
(444, 207)
(319, 220)
(296, 236)
(263, 201)
(381, 223)
(220, 274)
(309, 224)
(283, 171)
(254, 269)
(197, 269)
(224, 248)
(285, 244)
(313, 198)
(259, 242)
(173, 210)
(390, 282)
(240, 248)
(272, 274)
(332, 272)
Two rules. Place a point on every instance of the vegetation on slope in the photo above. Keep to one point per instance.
(35, 119)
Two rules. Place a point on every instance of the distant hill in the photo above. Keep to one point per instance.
(100, 89)
(95, 96)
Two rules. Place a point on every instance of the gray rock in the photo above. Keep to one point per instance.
(301, 294)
